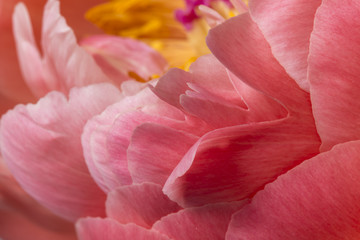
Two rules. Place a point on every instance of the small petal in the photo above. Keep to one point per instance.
(124, 58)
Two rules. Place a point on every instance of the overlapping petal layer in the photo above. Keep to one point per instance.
(234, 162)
(41, 145)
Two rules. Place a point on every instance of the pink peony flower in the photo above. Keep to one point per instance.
(246, 145)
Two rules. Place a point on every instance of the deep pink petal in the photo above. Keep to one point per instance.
(124, 58)
(42, 141)
(318, 199)
(334, 70)
(64, 64)
(142, 204)
(109, 229)
(155, 150)
(287, 25)
(254, 155)
(241, 47)
(207, 222)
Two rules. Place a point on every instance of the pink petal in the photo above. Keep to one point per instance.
(319, 199)
(106, 137)
(140, 204)
(240, 160)
(155, 150)
(207, 222)
(64, 64)
(42, 141)
(109, 229)
(287, 25)
(334, 71)
(120, 58)
(241, 47)
(28, 53)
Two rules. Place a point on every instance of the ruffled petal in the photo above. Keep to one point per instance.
(106, 137)
(318, 199)
(255, 154)
(142, 204)
(42, 141)
(287, 26)
(207, 222)
(109, 229)
(334, 72)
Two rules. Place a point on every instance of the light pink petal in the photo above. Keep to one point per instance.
(287, 26)
(12, 86)
(334, 70)
(109, 229)
(106, 137)
(207, 222)
(211, 16)
(28, 53)
(241, 47)
(319, 199)
(208, 73)
(42, 142)
(124, 58)
(64, 64)
(155, 150)
(140, 204)
(233, 163)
